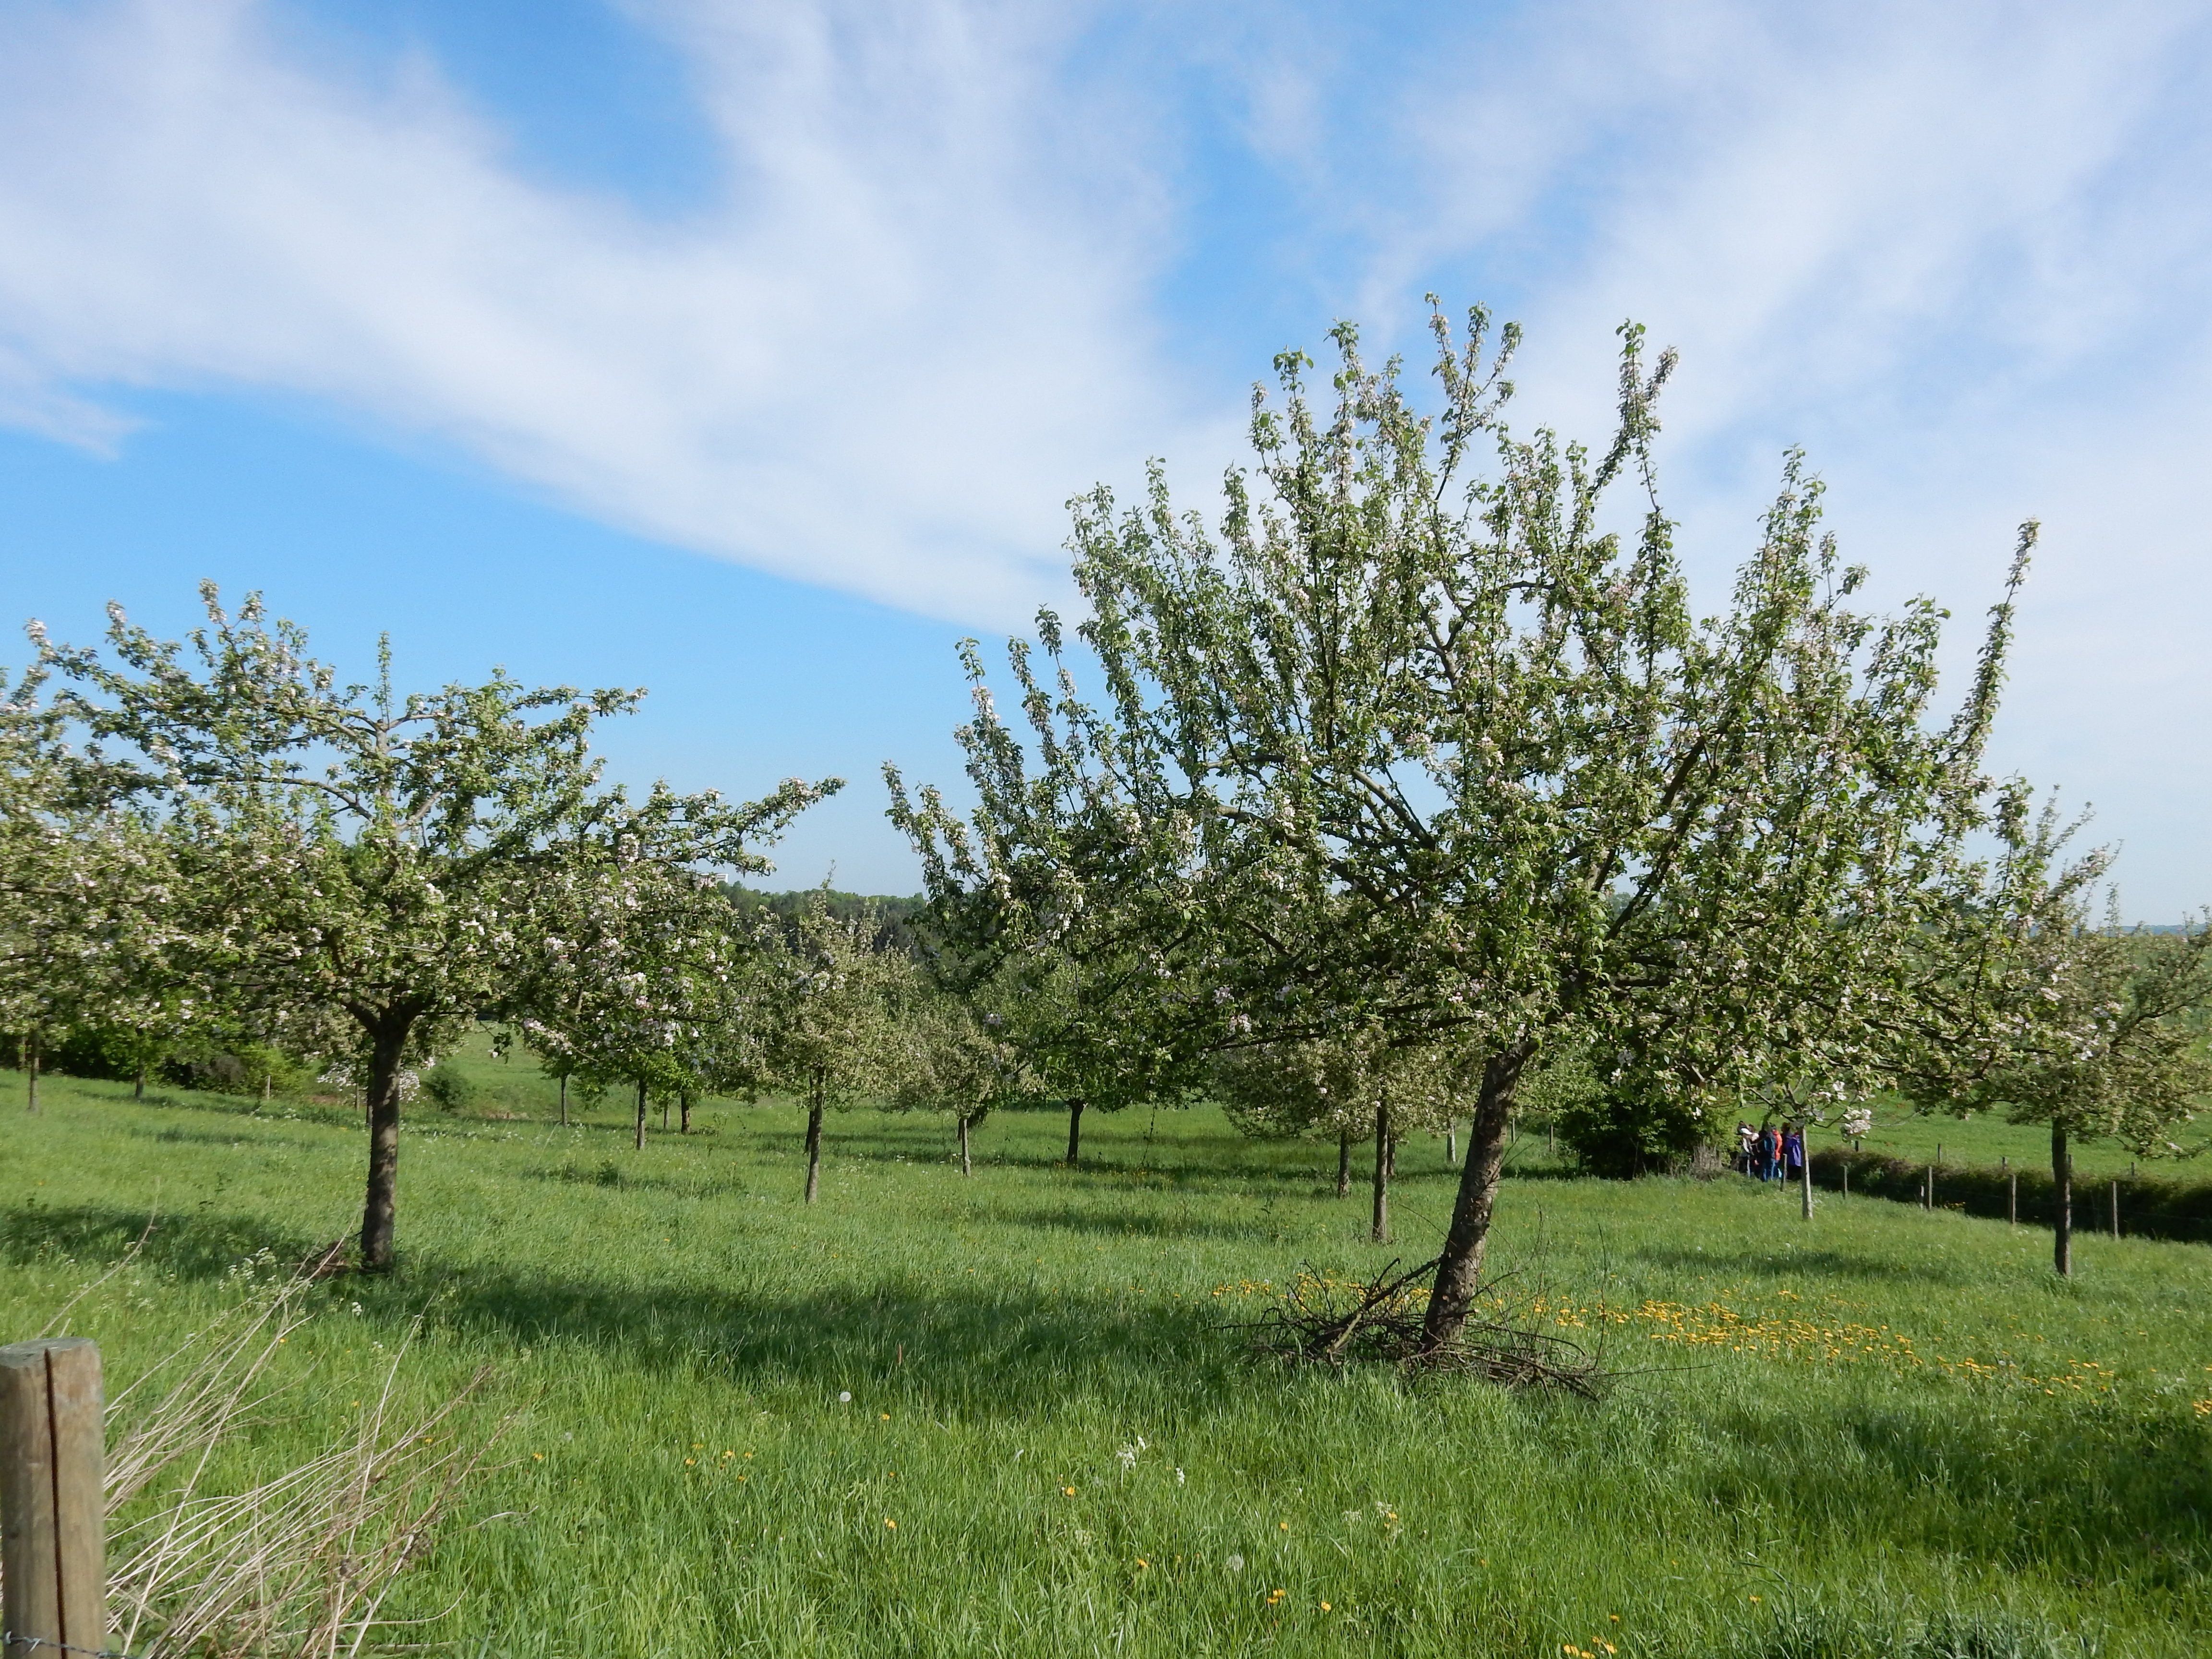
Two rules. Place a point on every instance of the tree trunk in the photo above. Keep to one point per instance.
(2062, 1182)
(813, 1144)
(1386, 1150)
(966, 1167)
(30, 1058)
(564, 1100)
(1344, 1163)
(639, 1144)
(1459, 1271)
(663, 1114)
(685, 1102)
(1074, 1132)
(138, 1091)
(1451, 1144)
(387, 1045)
(1805, 1174)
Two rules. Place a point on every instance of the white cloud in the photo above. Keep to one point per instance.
(1963, 254)
(911, 328)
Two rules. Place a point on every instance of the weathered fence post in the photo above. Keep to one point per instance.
(2012, 1201)
(1805, 1174)
(2116, 1209)
(1847, 1177)
(1928, 1187)
(53, 1520)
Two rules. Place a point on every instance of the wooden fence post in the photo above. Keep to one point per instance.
(53, 1516)
(2012, 1203)
(1847, 1177)
(2116, 1209)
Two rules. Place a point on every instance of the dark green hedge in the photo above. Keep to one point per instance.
(2149, 1208)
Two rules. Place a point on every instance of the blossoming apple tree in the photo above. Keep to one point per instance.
(344, 851)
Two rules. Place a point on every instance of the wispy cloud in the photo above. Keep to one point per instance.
(1962, 252)
(912, 325)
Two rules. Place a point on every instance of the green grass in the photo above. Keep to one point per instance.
(1984, 1140)
(1883, 1433)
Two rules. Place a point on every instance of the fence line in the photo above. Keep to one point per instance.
(2135, 1207)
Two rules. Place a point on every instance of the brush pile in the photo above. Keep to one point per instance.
(1327, 1320)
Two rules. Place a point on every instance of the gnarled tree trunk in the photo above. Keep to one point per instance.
(2062, 1182)
(1074, 1132)
(387, 1045)
(1460, 1270)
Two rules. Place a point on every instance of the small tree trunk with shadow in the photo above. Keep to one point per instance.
(1344, 1163)
(1074, 1132)
(1386, 1158)
(637, 1142)
(814, 1141)
(967, 1167)
(30, 1061)
(139, 1091)
(564, 1100)
(683, 1104)
(2062, 1181)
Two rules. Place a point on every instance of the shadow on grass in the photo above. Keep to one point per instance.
(625, 1175)
(1798, 1264)
(2113, 1494)
(167, 1135)
(1127, 1224)
(2105, 1492)
(991, 1350)
(203, 1246)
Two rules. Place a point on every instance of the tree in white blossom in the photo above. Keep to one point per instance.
(1427, 736)
(954, 1055)
(823, 997)
(346, 850)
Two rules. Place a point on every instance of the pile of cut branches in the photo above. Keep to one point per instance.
(1325, 1321)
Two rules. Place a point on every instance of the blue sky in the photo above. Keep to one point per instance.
(749, 352)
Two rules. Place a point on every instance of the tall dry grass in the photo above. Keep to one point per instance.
(297, 1567)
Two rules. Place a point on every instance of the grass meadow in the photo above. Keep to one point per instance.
(1883, 1433)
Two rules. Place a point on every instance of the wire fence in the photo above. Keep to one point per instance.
(2135, 1207)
